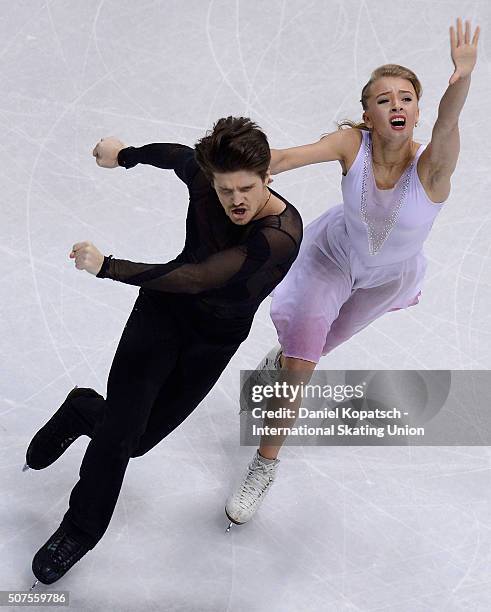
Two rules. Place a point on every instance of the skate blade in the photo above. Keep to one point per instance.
(34, 585)
(25, 468)
(231, 522)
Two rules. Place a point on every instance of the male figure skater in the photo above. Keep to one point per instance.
(190, 317)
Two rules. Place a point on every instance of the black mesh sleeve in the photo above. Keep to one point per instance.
(246, 263)
(168, 156)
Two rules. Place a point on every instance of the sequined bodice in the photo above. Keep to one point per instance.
(385, 226)
(380, 210)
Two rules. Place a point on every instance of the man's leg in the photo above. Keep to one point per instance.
(198, 367)
(146, 354)
(78, 415)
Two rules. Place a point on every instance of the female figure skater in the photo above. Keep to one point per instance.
(364, 257)
(189, 319)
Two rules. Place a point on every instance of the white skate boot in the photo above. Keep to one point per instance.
(267, 372)
(247, 498)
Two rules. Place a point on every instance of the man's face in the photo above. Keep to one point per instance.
(242, 194)
(392, 107)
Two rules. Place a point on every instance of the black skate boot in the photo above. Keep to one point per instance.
(57, 556)
(63, 428)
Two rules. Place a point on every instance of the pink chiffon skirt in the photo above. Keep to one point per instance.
(329, 294)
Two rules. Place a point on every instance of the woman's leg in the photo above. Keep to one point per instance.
(364, 306)
(304, 307)
(298, 371)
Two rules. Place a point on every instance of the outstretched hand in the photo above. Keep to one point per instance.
(463, 51)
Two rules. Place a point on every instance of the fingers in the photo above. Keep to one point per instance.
(453, 39)
(463, 37)
(459, 32)
(80, 245)
(96, 151)
(475, 38)
(82, 254)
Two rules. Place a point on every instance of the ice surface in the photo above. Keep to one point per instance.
(366, 529)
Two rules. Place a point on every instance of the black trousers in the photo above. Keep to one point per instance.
(163, 368)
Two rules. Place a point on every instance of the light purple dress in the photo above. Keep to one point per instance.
(357, 261)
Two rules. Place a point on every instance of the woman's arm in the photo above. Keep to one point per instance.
(439, 159)
(333, 147)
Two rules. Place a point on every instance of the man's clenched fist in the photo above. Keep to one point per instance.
(87, 257)
(106, 152)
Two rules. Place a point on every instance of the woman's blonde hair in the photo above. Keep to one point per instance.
(387, 70)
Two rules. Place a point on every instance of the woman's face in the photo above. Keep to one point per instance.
(392, 107)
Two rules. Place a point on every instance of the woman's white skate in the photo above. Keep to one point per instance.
(267, 372)
(249, 495)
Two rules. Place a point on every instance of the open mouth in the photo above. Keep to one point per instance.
(398, 122)
(238, 213)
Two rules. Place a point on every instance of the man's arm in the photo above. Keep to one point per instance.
(167, 156)
(111, 152)
(264, 250)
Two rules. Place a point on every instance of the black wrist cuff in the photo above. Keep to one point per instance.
(127, 157)
(105, 264)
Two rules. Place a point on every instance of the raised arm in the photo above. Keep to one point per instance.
(332, 147)
(111, 152)
(256, 258)
(439, 159)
